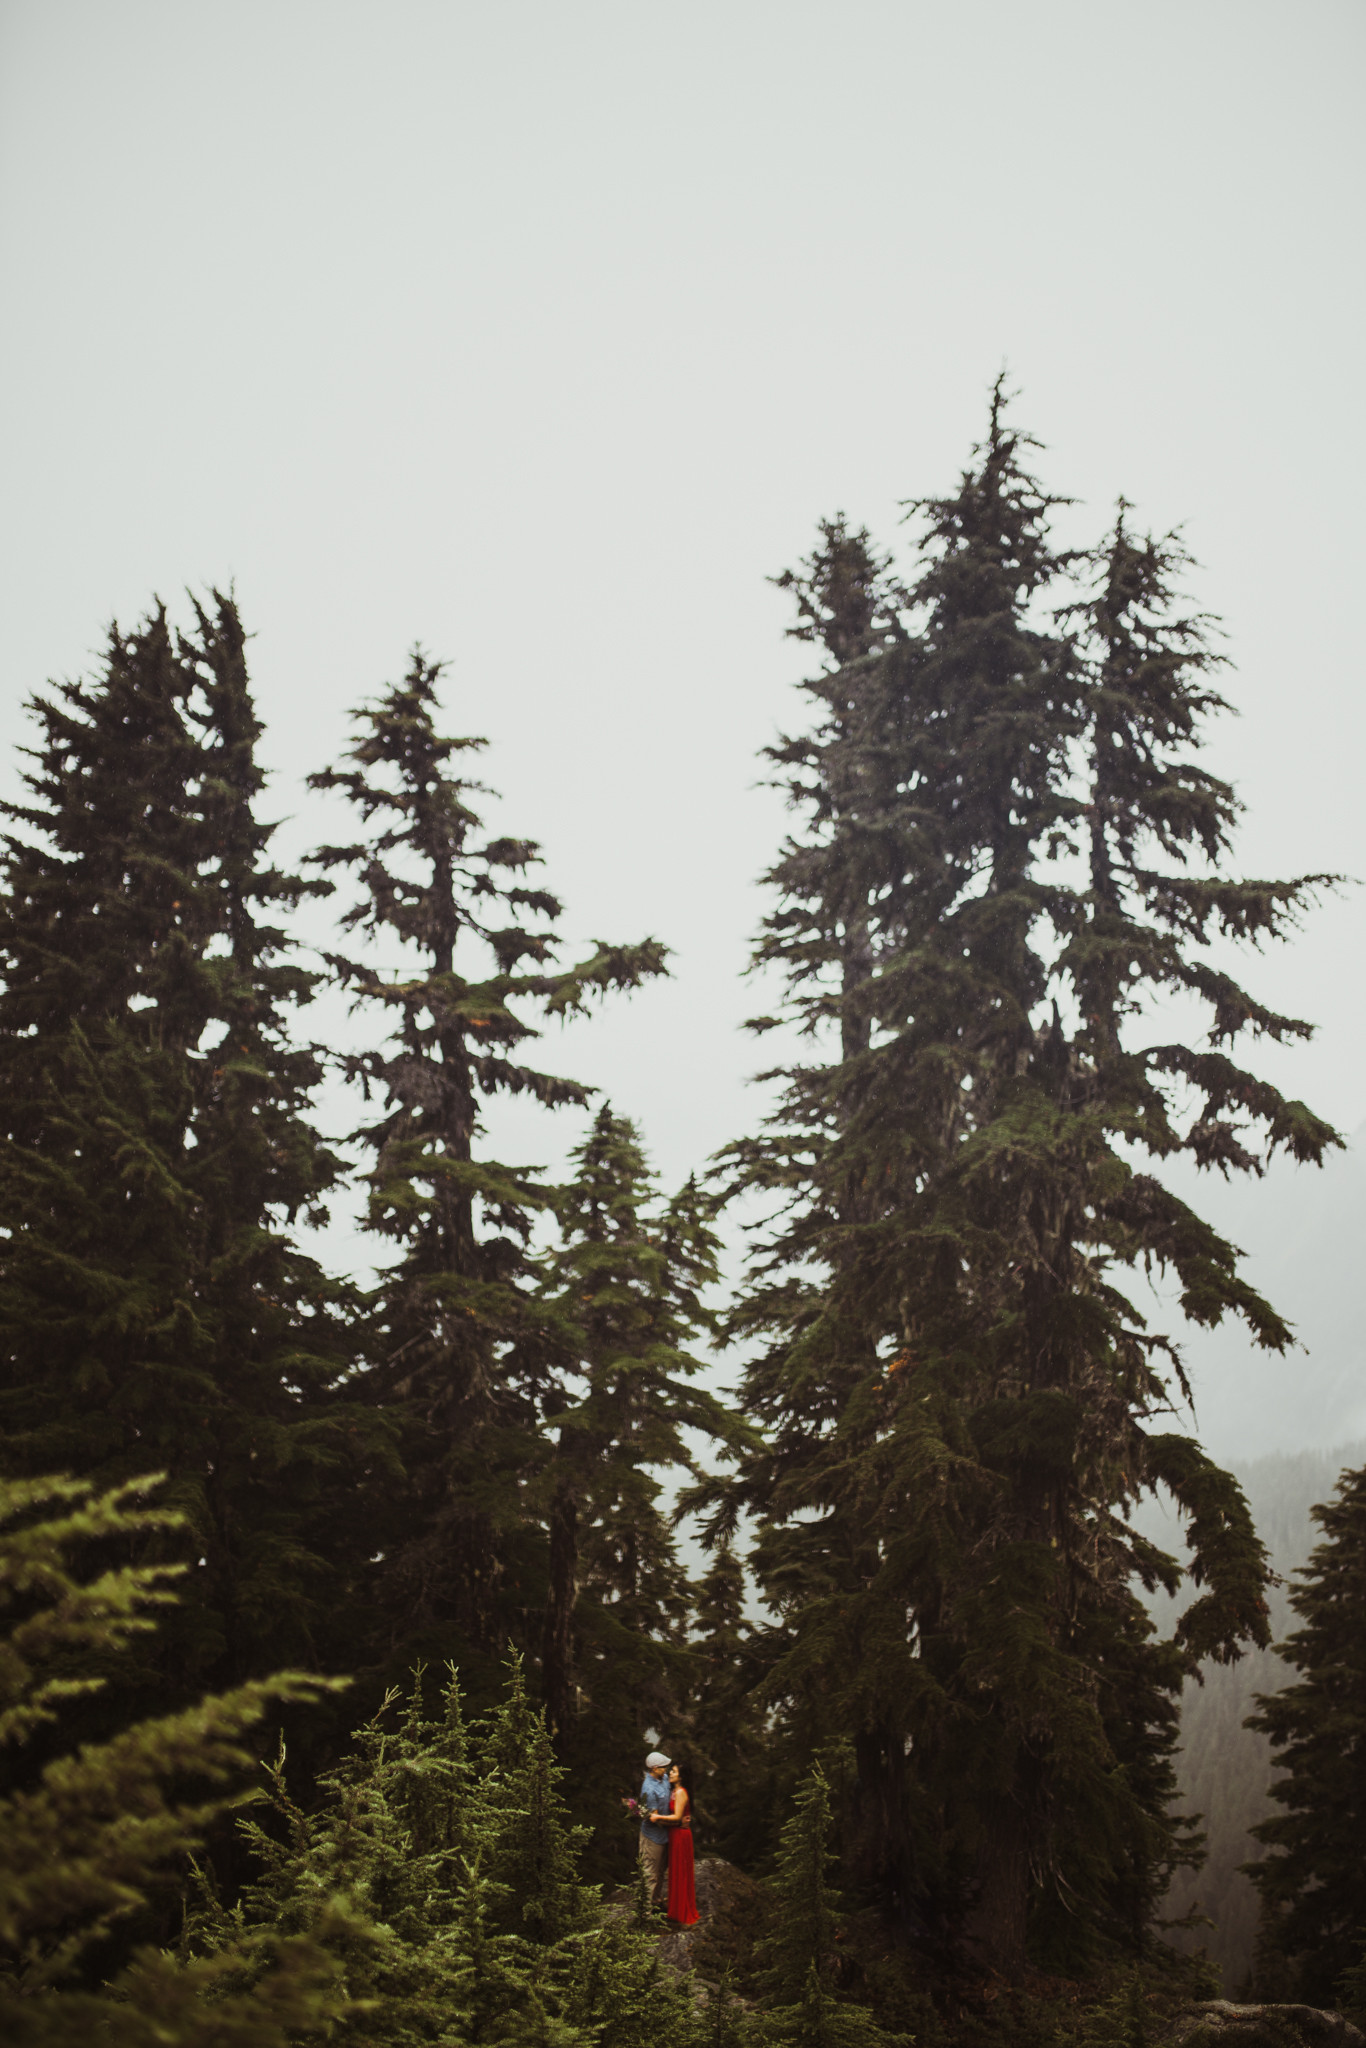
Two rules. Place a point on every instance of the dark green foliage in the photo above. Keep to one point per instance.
(534, 1859)
(401, 1837)
(1352, 1990)
(1224, 1768)
(847, 602)
(620, 1987)
(1008, 849)
(818, 2020)
(725, 2023)
(440, 1874)
(808, 1922)
(1272, 1974)
(103, 923)
(739, 1795)
(800, 1957)
(101, 1830)
(459, 1339)
(1311, 1882)
(623, 1294)
(1122, 2020)
(155, 1312)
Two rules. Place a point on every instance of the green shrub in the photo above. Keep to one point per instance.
(89, 1834)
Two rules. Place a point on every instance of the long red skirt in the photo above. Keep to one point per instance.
(682, 1893)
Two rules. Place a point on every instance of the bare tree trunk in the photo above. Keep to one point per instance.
(997, 1925)
(877, 1844)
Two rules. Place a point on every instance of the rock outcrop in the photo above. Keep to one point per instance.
(1219, 2024)
(717, 1884)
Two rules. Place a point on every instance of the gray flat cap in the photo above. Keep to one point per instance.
(654, 1760)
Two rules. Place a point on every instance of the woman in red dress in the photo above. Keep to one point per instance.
(682, 1905)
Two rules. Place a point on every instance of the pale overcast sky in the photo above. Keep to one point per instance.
(544, 333)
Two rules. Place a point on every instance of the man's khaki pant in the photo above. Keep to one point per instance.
(653, 1856)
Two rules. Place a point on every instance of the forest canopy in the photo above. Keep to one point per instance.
(922, 1653)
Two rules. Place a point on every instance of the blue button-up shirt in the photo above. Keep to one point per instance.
(656, 1796)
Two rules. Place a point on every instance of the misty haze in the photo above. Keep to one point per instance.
(683, 1172)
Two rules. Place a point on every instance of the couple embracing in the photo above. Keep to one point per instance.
(666, 1839)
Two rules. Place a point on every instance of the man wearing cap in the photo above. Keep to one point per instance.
(655, 1797)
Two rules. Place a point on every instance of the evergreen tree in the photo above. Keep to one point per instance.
(439, 1876)
(401, 1835)
(820, 940)
(1122, 2020)
(103, 925)
(806, 1907)
(1310, 1881)
(622, 1996)
(800, 1957)
(960, 1402)
(291, 1440)
(155, 1311)
(495, 1995)
(625, 1289)
(1352, 1990)
(740, 1793)
(725, 2023)
(459, 1337)
(535, 1858)
(102, 1828)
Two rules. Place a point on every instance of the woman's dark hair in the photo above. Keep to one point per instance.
(684, 1769)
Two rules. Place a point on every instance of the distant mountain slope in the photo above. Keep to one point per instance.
(1224, 1770)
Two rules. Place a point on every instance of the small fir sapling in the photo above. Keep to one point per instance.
(400, 1836)
(1122, 2020)
(535, 1849)
(1352, 1989)
(94, 1840)
(463, 1921)
(725, 2022)
(799, 1957)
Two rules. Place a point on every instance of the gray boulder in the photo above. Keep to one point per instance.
(1218, 2023)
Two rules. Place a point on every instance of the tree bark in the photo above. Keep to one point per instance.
(558, 1654)
(997, 1924)
(877, 1845)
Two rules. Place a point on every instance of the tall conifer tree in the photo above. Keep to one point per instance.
(626, 1289)
(461, 1340)
(106, 915)
(739, 1799)
(965, 1404)
(1310, 1880)
(820, 940)
(155, 1310)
